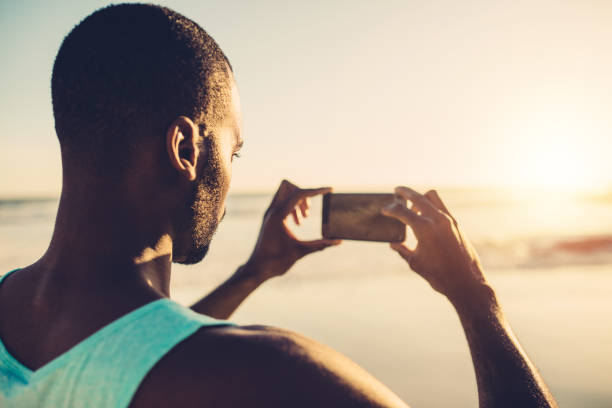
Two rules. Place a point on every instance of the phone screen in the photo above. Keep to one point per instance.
(358, 217)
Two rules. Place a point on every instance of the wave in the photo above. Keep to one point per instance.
(534, 253)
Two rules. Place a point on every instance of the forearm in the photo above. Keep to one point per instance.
(504, 374)
(223, 301)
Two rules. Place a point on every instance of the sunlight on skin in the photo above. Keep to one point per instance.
(164, 245)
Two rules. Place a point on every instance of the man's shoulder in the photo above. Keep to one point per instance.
(255, 366)
(220, 364)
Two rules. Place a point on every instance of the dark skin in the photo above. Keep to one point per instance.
(276, 250)
(447, 260)
(108, 257)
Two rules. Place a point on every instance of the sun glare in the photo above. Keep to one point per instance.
(554, 163)
(553, 154)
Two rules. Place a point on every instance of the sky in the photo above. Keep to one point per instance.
(364, 95)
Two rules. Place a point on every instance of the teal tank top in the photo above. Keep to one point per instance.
(106, 368)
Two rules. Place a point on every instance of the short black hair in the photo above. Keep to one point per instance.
(126, 72)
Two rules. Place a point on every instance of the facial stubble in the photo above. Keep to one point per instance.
(205, 205)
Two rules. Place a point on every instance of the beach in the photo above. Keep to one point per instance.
(548, 258)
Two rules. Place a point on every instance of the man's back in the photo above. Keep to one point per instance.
(117, 356)
(185, 359)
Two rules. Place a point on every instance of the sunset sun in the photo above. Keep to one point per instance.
(553, 152)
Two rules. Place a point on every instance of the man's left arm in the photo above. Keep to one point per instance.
(225, 298)
(276, 250)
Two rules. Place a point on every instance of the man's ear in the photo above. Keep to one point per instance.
(182, 146)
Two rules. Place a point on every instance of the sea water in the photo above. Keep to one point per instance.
(549, 257)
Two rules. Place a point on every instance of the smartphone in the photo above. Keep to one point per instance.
(358, 217)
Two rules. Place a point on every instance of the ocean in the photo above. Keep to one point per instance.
(548, 255)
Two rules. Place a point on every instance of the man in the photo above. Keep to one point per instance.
(148, 118)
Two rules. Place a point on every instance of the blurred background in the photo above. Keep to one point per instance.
(505, 107)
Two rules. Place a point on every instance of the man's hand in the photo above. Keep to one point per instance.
(443, 255)
(446, 259)
(277, 249)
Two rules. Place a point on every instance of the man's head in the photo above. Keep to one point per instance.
(142, 90)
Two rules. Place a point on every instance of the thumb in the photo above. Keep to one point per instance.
(403, 251)
(308, 247)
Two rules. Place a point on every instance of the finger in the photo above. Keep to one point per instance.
(299, 194)
(404, 214)
(310, 192)
(308, 247)
(303, 205)
(284, 187)
(421, 202)
(296, 218)
(284, 191)
(403, 250)
(433, 196)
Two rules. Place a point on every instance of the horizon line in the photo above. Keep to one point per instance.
(605, 190)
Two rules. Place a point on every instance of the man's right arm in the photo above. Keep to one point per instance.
(446, 259)
(504, 374)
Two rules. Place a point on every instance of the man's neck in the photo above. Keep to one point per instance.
(101, 243)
